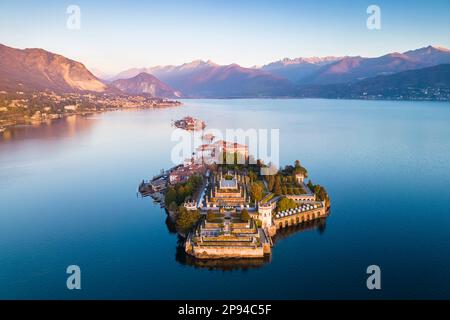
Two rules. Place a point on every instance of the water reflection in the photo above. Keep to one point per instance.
(62, 128)
(217, 264)
(319, 225)
(170, 225)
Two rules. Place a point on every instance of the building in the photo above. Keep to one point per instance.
(208, 137)
(300, 177)
(228, 190)
(308, 196)
(71, 107)
(190, 123)
(210, 153)
(223, 146)
(265, 215)
(228, 238)
(303, 213)
(190, 205)
(182, 172)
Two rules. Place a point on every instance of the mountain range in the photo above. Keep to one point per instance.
(286, 77)
(205, 79)
(37, 69)
(297, 69)
(350, 69)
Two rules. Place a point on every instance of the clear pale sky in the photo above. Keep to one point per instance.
(117, 35)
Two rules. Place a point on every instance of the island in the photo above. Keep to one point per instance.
(190, 124)
(231, 210)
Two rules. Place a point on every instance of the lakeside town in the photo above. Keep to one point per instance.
(23, 108)
(229, 209)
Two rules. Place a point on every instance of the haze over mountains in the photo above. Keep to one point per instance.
(37, 69)
(285, 77)
(205, 79)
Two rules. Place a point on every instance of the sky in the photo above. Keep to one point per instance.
(118, 35)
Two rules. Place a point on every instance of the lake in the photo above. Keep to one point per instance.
(68, 196)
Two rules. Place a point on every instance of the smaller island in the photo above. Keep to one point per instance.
(190, 124)
(232, 210)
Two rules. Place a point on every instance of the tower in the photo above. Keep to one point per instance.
(265, 215)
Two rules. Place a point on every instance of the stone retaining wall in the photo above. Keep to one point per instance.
(300, 218)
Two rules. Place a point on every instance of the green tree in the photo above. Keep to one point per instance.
(256, 191)
(181, 191)
(277, 187)
(322, 194)
(253, 176)
(173, 207)
(310, 185)
(181, 195)
(244, 215)
(299, 169)
(285, 204)
(171, 195)
(187, 218)
(270, 182)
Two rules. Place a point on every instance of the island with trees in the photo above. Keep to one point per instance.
(233, 210)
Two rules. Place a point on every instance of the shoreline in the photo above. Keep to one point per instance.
(27, 121)
(316, 98)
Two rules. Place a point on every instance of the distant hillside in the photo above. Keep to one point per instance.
(208, 80)
(145, 83)
(357, 68)
(431, 55)
(205, 79)
(129, 73)
(298, 68)
(37, 69)
(427, 83)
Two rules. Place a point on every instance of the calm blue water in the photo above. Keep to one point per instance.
(68, 196)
